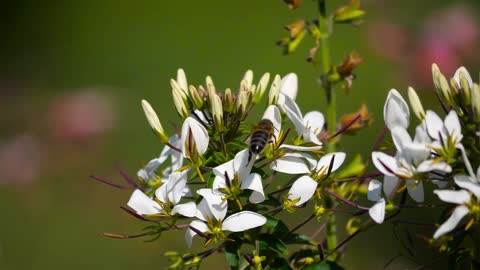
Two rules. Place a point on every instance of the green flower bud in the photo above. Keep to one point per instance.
(262, 87)
(274, 92)
(441, 85)
(217, 112)
(416, 104)
(182, 80)
(196, 98)
(228, 101)
(177, 88)
(248, 77)
(243, 102)
(180, 103)
(465, 86)
(154, 121)
(476, 100)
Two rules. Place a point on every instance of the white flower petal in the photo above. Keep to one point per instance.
(149, 170)
(468, 183)
(421, 135)
(291, 164)
(203, 211)
(227, 167)
(416, 153)
(453, 196)
(272, 113)
(432, 165)
(185, 209)
(458, 213)
(390, 184)
(294, 114)
(452, 123)
(326, 161)
(142, 204)
(435, 126)
(189, 233)
(177, 181)
(254, 182)
(314, 121)
(400, 137)
(216, 204)
(377, 211)
(243, 221)
(374, 190)
(395, 111)
(384, 163)
(241, 165)
(415, 190)
(289, 85)
(199, 136)
(161, 193)
(303, 188)
(302, 148)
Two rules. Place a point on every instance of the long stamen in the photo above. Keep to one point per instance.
(108, 182)
(330, 166)
(125, 176)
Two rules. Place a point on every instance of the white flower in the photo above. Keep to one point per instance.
(447, 136)
(411, 160)
(148, 172)
(194, 138)
(273, 114)
(301, 163)
(377, 211)
(212, 220)
(395, 111)
(309, 126)
(167, 198)
(463, 199)
(234, 176)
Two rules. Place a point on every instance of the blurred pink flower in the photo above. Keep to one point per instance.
(387, 39)
(20, 160)
(456, 26)
(433, 50)
(80, 116)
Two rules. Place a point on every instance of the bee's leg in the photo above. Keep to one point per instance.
(249, 157)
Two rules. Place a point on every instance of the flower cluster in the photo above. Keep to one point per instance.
(437, 152)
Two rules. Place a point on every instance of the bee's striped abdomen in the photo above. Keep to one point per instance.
(258, 141)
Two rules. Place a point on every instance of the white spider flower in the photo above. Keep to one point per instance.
(235, 175)
(308, 127)
(377, 211)
(212, 220)
(447, 136)
(301, 163)
(465, 204)
(411, 161)
(167, 198)
(273, 114)
(194, 139)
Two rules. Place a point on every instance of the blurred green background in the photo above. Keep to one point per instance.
(72, 74)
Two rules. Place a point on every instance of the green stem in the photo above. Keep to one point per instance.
(331, 229)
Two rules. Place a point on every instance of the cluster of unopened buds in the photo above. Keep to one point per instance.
(213, 176)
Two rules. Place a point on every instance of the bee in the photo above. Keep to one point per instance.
(262, 134)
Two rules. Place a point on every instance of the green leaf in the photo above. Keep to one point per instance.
(280, 264)
(277, 226)
(267, 242)
(299, 239)
(231, 253)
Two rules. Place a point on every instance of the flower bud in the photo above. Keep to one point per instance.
(476, 101)
(441, 84)
(243, 101)
(154, 121)
(210, 86)
(177, 88)
(180, 103)
(217, 112)
(416, 104)
(274, 91)
(248, 78)
(196, 98)
(262, 87)
(228, 101)
(463, 81)
(182, 80)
